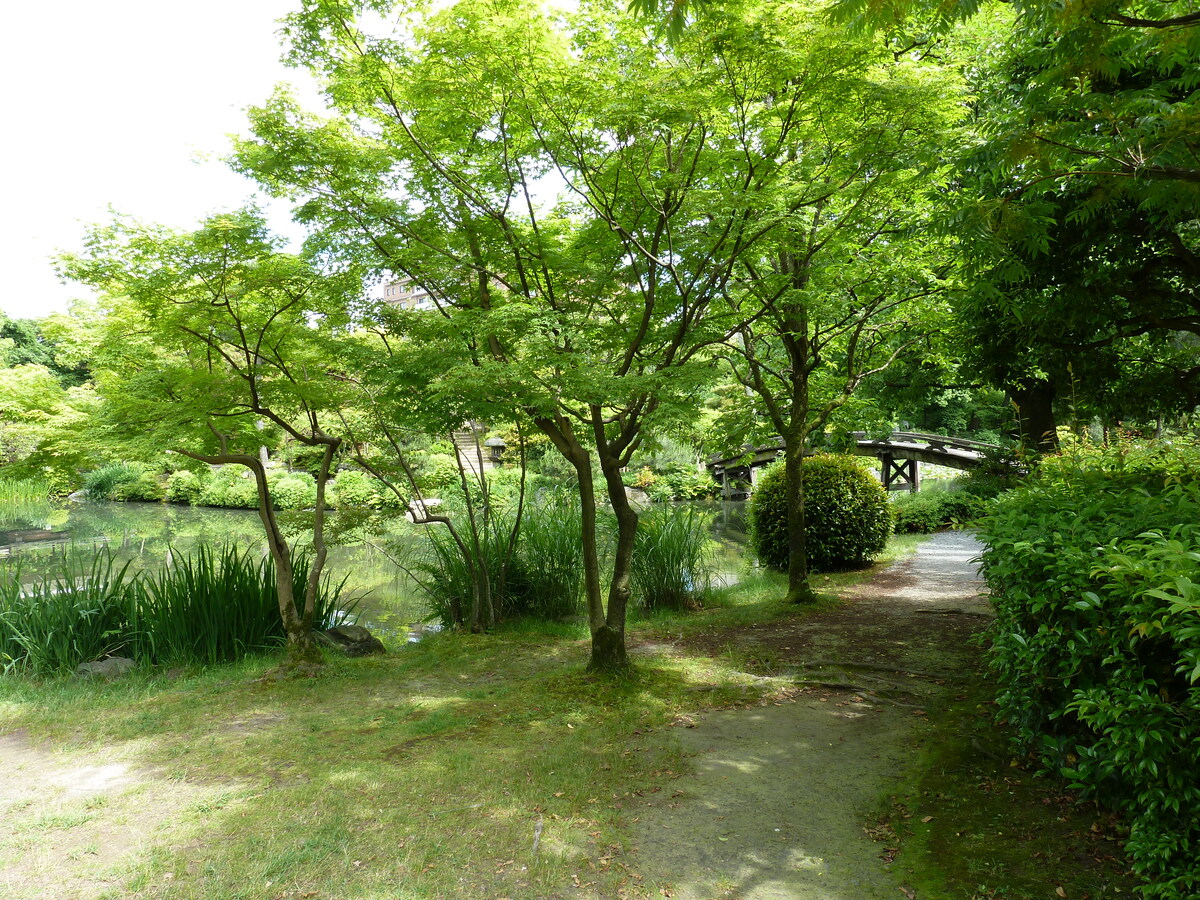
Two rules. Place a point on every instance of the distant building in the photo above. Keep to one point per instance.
(407, 294)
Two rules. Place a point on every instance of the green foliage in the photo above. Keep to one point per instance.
(1096, 642)
(672, 560)
(206, 607)
(676, 482)
(102, 483)
(292, 490)
(230, 486)
(29, 396)
(37, 343)
(185, 486)
(847, 514)
(999, 471)
(146, 487)
(354, 489)
(78, 613)
(934, 508)
(440, 476)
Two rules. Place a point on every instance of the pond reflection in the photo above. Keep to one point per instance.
(145, 534)
(365, 548)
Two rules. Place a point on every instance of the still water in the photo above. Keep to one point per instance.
(368, 552)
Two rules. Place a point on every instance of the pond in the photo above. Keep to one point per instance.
(146, 533)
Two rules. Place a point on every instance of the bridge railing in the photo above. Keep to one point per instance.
(936, 441)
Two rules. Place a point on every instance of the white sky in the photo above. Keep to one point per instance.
(110, 104)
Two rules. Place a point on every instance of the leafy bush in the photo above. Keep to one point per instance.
(146, 487)
(440, 475)
(293, 490)
(1096, 642)
(672, 563)
(931, 509)
(674, 483)
(999, 471)
(185, 487)
(101, 483)
(354, 489)
(847, 514)
(230, 487)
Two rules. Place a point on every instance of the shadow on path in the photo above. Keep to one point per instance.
(777, 805)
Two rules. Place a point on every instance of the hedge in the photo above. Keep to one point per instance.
(1094, 569)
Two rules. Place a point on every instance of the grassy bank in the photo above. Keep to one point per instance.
(422, 774)
(428, 773)
(425, 773)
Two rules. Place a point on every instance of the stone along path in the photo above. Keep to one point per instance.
(781, 793)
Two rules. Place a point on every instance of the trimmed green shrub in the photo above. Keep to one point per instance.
(353, 489)
(1094, 569)
(846, 510)
(677, 482)
(185, 487)
(927, 511)
(146, 487)
(230, 487)
(293, 490)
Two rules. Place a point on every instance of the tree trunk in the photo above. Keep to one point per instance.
(608, 650)
(799, 588)
(565, 441)
(1035, 411)
(608, 642)
(300, 644)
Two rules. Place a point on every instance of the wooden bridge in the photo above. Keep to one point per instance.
(900, 455)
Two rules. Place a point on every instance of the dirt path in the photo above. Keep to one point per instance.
(72, 820)
(775, 810)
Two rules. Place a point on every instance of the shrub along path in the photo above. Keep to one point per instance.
(781, 792)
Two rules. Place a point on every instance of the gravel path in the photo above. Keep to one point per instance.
(780, 794)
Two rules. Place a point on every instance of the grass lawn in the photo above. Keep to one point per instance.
(424, 773)
(429, 772)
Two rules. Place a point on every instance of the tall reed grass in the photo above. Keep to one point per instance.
(207, 607)
(672, 564)
(548, 582)
(24, 490)
(220, 605)
(99, 484)
(543, 578)
(444, 572)
(77, 612)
